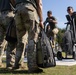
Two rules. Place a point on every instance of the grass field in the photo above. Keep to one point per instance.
(58, 70)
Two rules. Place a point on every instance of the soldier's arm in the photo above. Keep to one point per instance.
(13, 2)
(54, 20)
(39, 10)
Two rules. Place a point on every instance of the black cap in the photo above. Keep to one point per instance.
(49, 12)
(69, 7)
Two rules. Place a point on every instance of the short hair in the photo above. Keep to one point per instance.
(69, 7)
(49, 12)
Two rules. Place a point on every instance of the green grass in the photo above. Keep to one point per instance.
(58, 70)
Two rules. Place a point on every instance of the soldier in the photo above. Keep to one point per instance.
(71, 15)
(28, 17)
(50, 31)
(70, 37)
(5, 18)
(2, 41)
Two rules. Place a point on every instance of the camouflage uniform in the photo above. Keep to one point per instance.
(52, 36)
(10, 55)
(49, 29)
(2, 35)
(27, 21)
(5, 18)
(2, 49)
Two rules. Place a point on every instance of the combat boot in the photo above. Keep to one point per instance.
(19, 66)
(37, 70)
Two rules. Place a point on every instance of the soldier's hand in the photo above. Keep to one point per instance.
(41, 24)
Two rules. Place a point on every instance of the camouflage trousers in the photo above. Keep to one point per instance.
(10, 54)
(27, 22)
(5, 18)
(52, 37)
(2, 49)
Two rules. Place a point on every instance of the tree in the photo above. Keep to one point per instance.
(60, 35)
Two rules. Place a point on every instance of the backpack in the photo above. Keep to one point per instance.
(45, 55)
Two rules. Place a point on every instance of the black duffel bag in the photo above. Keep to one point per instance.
(11, 32)
(45, 55)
